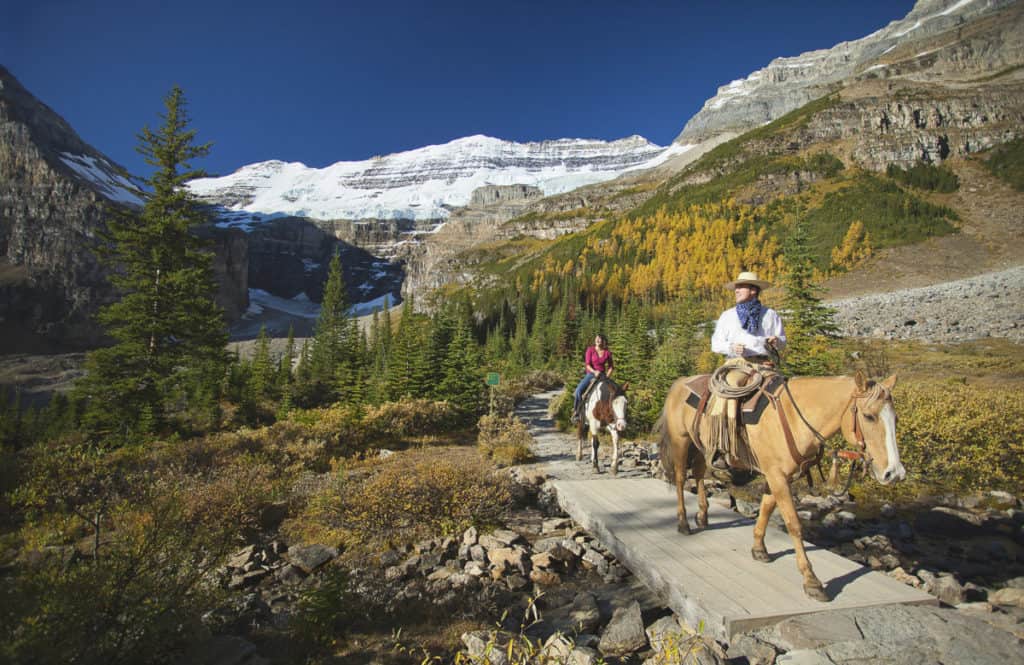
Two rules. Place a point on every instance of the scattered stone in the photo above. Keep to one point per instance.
(976, 606)
(555, 524)
(582, 655)
(504, 558)
(291, 574)
(486, 646)
(545, 577)
(474, 568)
(1009, 596)
(469, 536)
(901, 575)
(625, 632)
(949, 523)
(665, 634)
(272, 514)
(516, 582)
(585, 613)
(594, 559)
(752, 649)
(242, 557)
(947, 589)
(498, 539)
(311, 557)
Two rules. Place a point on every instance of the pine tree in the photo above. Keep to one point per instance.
(809, 324)
(169, 334)
(284, 366)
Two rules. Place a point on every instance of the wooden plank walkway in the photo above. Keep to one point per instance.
(709, 577)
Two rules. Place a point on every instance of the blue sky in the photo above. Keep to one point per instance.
(320, 82)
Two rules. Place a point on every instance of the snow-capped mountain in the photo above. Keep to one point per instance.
(423, 184)
(787, 83)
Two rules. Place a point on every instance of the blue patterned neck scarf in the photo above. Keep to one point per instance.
(750, 313)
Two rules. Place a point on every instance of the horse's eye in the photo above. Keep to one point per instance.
(868, 417)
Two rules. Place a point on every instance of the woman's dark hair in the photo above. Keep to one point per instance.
(604, 339)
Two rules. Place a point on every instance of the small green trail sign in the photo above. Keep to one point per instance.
(493, 378)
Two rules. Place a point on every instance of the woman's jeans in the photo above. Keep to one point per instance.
(582, 388)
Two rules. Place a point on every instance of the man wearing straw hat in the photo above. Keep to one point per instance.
(747, 330)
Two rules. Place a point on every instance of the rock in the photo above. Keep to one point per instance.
(469, 536)
(594, 559)
(666, 634)
(544, 577)
(391, 558)
(555, 524)
(516, 582)
(976, 606)
(291, 574)
(478, 553)
(814, 630)
(311, 557)
(582, 655)
(505, 558)
(747, 508)
(949, 523)
(486, 646)
(903, 576)
(624, 634)
(249, 579)
(585, 614)
(752, 649)
(242, 557)
(804, 657)
(1001, 500)
(223, 650)
(498, 539)
(1009, 596)
(272, 514)
(947, 589)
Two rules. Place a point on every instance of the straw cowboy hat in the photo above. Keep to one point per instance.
(748, 278)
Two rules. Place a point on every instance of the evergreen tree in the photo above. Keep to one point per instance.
(520, 338)
(462, 383)
(331, 335)
(284, 366)
(169, 334)
(262, 373)
(809, 324)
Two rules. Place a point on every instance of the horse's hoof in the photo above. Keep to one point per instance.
(816, 592)
(683, 529)
(579, 458)
(761, 555)
(702, 521)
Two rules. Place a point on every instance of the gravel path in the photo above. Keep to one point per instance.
(556, 451)
(987, 305)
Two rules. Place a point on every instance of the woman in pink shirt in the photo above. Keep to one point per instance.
(598, 360)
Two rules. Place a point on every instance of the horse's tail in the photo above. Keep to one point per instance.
(664, 445)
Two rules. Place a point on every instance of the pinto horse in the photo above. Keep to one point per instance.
(808, 411)
(604, 408)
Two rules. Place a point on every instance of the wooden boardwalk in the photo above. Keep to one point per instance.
(709, 577)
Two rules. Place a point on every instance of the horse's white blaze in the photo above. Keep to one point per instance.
(619, 409)
(894, 471)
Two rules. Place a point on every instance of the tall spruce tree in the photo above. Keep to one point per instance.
(810, 325)
(330, 339)
(169, 334)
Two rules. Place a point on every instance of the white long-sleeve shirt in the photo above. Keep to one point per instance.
(729, 331)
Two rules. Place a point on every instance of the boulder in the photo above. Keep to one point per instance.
(949, 523)
(544, 577)
(311, 557)
(666, 634)
(1009, 596)
(506, 558)
(486, 646)
(624, 634)
(585, 614)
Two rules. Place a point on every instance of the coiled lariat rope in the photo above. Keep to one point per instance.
(721, 387)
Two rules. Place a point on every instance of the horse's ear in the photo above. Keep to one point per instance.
(890, 383)
(861, 381)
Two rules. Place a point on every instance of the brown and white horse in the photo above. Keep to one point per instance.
(815, 408)
(605, 407)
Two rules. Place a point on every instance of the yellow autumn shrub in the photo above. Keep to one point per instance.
(962, 437)
(408, 496)
(504, 439)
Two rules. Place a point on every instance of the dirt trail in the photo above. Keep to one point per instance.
(991, 239)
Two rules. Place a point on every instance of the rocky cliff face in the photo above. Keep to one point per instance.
(943, 40)
(55, 194)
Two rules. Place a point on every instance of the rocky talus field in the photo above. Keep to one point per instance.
(987, 305)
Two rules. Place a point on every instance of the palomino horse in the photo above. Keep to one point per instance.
(815, 408)
(605, 407)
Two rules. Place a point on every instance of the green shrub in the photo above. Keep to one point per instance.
(1007, 162)
(925, 176)
(962, 437)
